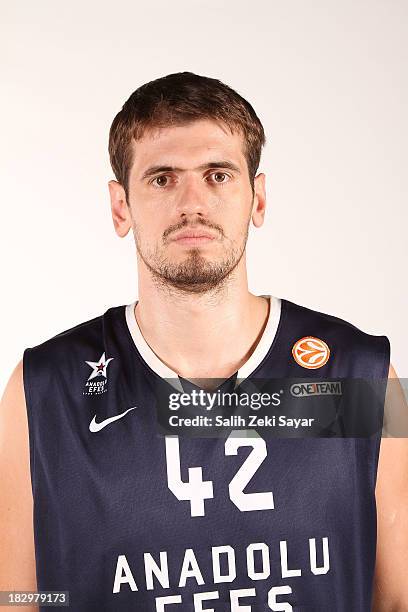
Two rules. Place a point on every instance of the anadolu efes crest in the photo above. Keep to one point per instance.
(98, 378)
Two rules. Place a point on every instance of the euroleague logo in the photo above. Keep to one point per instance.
(310, 352)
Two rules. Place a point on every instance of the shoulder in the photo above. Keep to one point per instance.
(60, 358)
(78, 337)
(352, 350)
(307, 318)
(70, 335)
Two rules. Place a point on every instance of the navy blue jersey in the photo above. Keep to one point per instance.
(128, 519)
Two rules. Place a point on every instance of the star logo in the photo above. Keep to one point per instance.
(99, 367)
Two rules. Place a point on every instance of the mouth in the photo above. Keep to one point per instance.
(196, 237)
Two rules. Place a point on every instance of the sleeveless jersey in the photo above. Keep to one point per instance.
(126, 519)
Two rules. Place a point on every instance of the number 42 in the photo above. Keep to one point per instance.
(196, 490)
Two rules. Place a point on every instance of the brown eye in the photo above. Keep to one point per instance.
(217, 175)
(161, 178)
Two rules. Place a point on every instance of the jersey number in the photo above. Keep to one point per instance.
(196, 490)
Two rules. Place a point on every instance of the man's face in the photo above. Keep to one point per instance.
(193, 179)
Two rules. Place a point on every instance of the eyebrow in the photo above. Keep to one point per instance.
(224, 163)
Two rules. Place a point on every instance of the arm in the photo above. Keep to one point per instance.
(390, 592)
(17, 557)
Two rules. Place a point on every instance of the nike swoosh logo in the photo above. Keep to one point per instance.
(94, 426)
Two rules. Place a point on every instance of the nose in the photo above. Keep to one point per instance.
(192, 196)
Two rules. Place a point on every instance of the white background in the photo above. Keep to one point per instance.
(328, 80)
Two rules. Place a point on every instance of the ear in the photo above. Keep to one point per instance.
(259, 205)
(122, 219)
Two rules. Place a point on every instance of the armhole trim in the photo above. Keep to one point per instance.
(30, 422)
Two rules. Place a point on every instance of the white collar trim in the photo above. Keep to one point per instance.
(244, 371)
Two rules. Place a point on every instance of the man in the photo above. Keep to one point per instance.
(125, 519)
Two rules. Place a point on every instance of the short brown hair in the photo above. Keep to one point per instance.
(178, 99)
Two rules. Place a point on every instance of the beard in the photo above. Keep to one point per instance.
(196, 273)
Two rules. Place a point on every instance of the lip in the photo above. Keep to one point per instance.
(192, 240)
(189, 237)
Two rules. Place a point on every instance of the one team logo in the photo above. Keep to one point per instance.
(310, 352)
(96, 383)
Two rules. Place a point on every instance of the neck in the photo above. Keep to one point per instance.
(206, 335)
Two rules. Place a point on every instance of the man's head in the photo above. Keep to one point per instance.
(185, 150)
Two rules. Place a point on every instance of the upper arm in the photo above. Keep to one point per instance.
(17, 556)
(390, 583)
